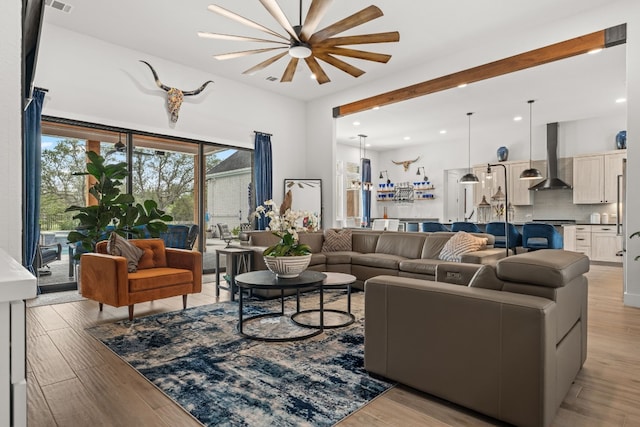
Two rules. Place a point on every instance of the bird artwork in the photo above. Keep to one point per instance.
(406, 163)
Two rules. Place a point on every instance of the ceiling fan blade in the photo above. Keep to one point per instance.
(360, 54)
(234, 55)
(287, 76)
(358, 18)
(274, 9)
(316, 12)
(228, 14)
(340, 64)
(392, 36)
(217, 36)
(315, 68)
(264, 64)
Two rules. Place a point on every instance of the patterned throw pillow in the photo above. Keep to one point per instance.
(337, 240)
(460, 244)
(119, 246)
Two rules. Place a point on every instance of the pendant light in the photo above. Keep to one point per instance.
(531, 173)
(470, 177)
(119, 146)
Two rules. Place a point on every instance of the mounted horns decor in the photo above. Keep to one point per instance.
(174, 95)
(406, 163)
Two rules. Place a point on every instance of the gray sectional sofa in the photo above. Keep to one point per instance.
(374, 253)
(508, 343)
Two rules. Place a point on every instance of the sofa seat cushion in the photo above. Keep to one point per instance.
(340, 257)
(379, 260)
(154, 278)
(546, 267)
(420, 266)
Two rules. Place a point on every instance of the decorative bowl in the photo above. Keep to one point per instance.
(287, 267)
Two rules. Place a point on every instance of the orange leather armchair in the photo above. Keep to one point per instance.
(162, 273)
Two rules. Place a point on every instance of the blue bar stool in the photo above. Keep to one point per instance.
(540, 236)
(497, 229)
(430, 226)
(469, 227)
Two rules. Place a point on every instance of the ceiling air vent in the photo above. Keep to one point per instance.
(55, 4)
(272, 79)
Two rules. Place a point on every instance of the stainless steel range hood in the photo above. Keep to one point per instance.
(552, 182)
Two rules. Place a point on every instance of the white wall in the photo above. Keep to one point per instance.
(94, 81)
(11, 130)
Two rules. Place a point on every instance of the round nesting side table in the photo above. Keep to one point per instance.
(264, 279)
(317, 318)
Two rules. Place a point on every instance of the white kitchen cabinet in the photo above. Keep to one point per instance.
(598, 242)
(519, 193)
(605, 244)
(595, 177)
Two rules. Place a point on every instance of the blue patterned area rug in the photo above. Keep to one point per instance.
(197, 358)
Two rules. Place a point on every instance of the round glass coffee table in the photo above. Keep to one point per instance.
(264, 279)
(327, 318)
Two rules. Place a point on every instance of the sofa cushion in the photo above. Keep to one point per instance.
(545, 267)
(314, 239)
(154, 253)
(420, 266)
(119, 246)
(149, 279)
(460, 244)
(337, 240)
(365, 241)
(387, 261)
(342, 257)
(406, 245)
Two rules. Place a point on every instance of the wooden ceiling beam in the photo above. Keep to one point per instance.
(532, 58)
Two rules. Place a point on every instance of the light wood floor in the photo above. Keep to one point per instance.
(75, 381)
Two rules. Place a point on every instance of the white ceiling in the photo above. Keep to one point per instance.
(428, 30)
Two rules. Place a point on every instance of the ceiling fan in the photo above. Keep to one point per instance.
(304, 42)
(121, 147)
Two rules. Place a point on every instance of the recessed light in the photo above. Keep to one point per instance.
(443, 131)
(621, 100)
(356, 123)
(406, 138)
(367, 145)
(517, 118)
(461, 85)
(312, 76)
(376, 107)
(594, 51)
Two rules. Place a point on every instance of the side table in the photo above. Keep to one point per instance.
(240, 262)
(311, 318)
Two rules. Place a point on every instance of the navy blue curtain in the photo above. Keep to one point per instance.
(262, 173)
(31, 181)
(365, 178)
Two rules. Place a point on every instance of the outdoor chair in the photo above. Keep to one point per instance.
(47, 252)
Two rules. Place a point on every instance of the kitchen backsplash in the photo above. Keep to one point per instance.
(558, 204)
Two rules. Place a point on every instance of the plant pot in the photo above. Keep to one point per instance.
(287, 267)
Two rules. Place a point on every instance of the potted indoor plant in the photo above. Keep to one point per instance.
(287, 258)
(114, 211)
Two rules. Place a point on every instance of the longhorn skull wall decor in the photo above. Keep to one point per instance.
(174, 95)
(406, 163)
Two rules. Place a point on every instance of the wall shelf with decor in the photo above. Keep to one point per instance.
(406, 194)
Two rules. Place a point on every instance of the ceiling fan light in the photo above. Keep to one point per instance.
(531, 173)
(300, 51)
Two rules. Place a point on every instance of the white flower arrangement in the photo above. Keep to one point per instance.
(285, 225)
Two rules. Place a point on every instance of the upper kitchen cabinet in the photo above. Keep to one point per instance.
(595, 177)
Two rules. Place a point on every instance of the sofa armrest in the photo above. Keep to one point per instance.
(104, 278)
(488, 256)
(487, 350)
(188, 260)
